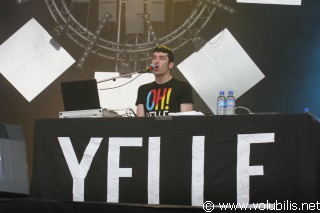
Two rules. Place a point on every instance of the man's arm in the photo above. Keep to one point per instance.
(186, 107)
(140, 110)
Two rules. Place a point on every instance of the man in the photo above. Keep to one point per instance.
(166, 94)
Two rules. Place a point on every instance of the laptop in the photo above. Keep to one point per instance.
(80, 95)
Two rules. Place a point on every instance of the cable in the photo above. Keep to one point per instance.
(241, 107)
(122, 84)
(214, 44)
(131, 112)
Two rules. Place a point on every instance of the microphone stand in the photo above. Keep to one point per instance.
(121, 76)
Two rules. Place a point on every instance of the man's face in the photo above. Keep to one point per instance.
(161, 60)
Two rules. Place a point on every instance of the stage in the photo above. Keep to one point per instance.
(29, 205)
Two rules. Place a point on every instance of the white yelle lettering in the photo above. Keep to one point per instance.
(79, 171)
(244, 170)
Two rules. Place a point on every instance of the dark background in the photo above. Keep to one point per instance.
(284, 42)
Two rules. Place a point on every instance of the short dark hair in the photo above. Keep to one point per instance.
(165, 49)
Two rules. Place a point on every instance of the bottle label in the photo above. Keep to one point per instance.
(221, 104)
(230, 103)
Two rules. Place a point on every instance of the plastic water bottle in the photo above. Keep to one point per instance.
(230, 104)
(221, 103)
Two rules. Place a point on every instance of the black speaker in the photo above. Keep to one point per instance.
(13, 162)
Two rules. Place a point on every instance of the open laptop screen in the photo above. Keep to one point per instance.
(80, 95)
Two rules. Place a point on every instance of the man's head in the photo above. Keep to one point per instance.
(165, 49)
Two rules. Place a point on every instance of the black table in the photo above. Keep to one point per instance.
(182, 160)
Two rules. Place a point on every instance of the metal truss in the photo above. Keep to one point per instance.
(133, 49)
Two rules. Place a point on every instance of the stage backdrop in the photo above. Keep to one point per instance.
(183, 160)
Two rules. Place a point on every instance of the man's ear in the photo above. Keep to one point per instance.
(171, 64)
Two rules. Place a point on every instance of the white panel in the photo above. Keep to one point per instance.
(284, 2)
(30, 61)
(121, 98)
(81, 1)
(221, 65)
(134, 16)
(156, 10)
(109, 6)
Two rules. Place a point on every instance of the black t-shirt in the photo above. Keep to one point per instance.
(160, 99)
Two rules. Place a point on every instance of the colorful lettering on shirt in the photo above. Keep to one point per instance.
(158, 100)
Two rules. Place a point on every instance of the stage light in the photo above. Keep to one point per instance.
(221, 6)
(21, 1)
(198, 42)
(150, 28)
(93, 41)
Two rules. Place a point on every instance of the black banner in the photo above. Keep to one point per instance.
(183, 160)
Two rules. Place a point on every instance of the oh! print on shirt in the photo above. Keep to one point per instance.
(158, 101)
